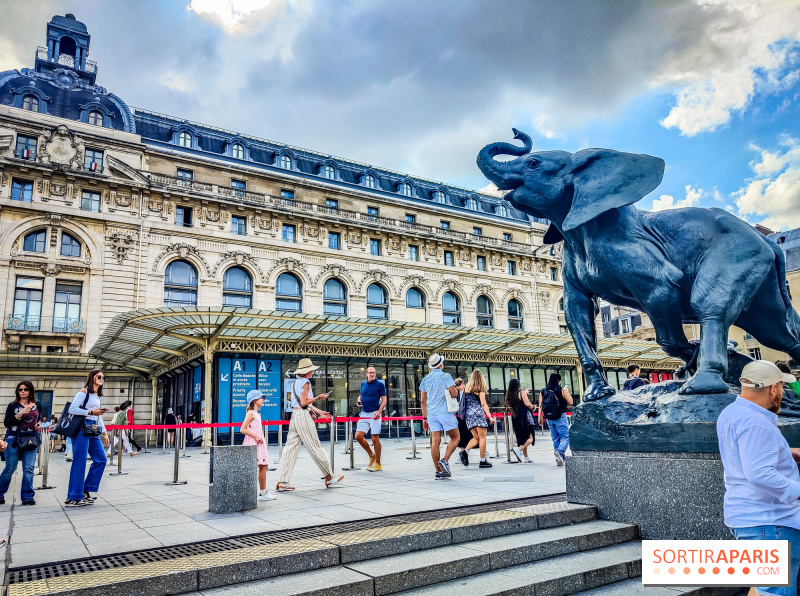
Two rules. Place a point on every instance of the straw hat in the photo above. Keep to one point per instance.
(304, 366)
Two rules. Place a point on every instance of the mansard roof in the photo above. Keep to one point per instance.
(157, 128)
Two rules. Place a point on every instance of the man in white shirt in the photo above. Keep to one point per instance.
(433, 391)
(762, 483)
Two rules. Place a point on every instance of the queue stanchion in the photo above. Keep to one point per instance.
(175, 481)
(214, 437)
(146, 439)
(397, 431)
(119, 471)
(39, 455)
(163, 441)
(349, 443)
(496, 441)
(413, 442)
(45, 464)
(232, 433)
(509, 438)
(332, 432)
(280, 444)
(184, 441)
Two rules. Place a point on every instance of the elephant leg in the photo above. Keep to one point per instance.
(580, 311)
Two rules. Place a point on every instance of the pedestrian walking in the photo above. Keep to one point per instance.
(53, 436)
(464, 436)
(521, 408)
(372, 397)
(762, 483)
(553, 402)
(476, 413)
(434, 390)
(302, 429)
(170, 420)
(22, 421)
(91, 440)
(121, 419)
(253, 433)
(634, 381)
(129, 416)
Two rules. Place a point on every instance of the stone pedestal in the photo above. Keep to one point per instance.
(671, 495)
(234, 479)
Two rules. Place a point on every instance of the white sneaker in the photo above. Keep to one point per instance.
(518, 452)
(266, 496)
(559, 459)
(528, 460)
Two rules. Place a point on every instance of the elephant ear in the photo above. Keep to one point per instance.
(604, 179)
(552, 235)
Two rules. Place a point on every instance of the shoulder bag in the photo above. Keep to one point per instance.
(69, 425)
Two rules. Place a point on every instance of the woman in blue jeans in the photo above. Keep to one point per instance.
(22, 422)
(559, 429)
(91, 439)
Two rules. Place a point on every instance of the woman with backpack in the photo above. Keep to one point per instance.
(553, 402)
(521, 410)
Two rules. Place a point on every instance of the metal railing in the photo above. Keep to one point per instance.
(39, 323)
(179, 183)
(66, 60)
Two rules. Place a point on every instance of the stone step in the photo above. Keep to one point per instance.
(411, 570)
(634, 587)
(557, 576)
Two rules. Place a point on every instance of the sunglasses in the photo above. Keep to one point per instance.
(101, 377)
(25, 389)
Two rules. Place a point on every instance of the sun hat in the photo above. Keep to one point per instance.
(304, 366)
(253, 395)
(435, 361)
(763, 373)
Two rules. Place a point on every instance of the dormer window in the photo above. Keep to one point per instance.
(96, 118)
(471, 204)
(502, 211)
(407, 189)
(439, 197)
(369, 181)
(30, 103)
(185, 139)
(285, 162)
(237, 151)
(329, 172)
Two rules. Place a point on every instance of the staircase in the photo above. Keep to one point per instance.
(546, 548)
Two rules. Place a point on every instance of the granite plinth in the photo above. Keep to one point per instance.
(235, 479)
(656, 418)
(670, 495)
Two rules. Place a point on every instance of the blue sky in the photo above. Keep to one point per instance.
(419, 86)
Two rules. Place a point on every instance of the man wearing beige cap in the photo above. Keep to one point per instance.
(302, 428)
(762, 484)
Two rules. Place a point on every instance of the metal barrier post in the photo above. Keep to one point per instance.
(163, 440)
(349, 443)
(146, 439)
(496, 441)
(39, 456)
(508, 431)
(333, 429)
(397, 430)
(413, 442)
(119, 471)
(280, 443)
(232, 433)
(45, 459)
(175, 481)
(185, 432)
(214, 437)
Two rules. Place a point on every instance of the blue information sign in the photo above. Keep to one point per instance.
(269, 383)
(243, 378)
(237, 376)
(197, 392)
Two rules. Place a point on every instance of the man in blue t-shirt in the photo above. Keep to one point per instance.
(434, 390)
(372, 399)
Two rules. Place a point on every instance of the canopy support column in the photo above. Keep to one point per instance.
(208, 360)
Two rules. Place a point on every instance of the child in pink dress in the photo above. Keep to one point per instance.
(254, 435)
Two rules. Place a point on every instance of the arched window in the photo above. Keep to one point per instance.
(70, 247)
(96, 118)
(485, 312)
(369, 181)
(237, 151)
(237, 288)
(35, 241)
(502, 211)
(415, 298)
(407, 189)
(451, 309)
(471, 204)
(180, 284)
(515, 315)
(377, 302)
(329, 172)
(185, 139)
(334, 298)
(286, 162)
(439, 197)
(30, 103)
(289, 293)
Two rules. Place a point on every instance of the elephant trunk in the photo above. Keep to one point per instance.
(500, 172)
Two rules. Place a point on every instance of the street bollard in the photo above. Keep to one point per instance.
(413, 442)
(496, 442)
(175, 481)
(119, 471)
(45, 448)
(349, 443)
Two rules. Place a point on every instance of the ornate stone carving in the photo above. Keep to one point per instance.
(183, 250)
(312, 232)
(4, 180)
(238, 257)
(212, 216)
(155, 206)
(544, 295)
(450, 285)
(415, 281)
(121, 244)
(541, 267)
(54, 219)
(122, 200)
(60, 147)
(288, 264)
(376, 276)
(516, 295)
(485, 289)
(51, 270)
(334, 270)
(355, 239)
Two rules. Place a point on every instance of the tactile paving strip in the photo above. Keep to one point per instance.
(39, 580)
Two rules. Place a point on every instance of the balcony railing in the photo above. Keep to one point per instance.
(179, 183)
(38, 323)
(66, 60)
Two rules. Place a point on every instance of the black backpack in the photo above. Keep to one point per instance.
(551, 406)
(632, 384)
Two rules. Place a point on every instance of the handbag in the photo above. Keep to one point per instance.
(452, 403)
(531, 418)
(28, 440)
(69, 425)
(462, 406)
(91, 430)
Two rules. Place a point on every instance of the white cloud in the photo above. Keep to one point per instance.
(743, 51)
(176, 82)
(774, 193)
(665, 202)
(237, 16)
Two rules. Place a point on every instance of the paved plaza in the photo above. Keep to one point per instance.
(138, 511)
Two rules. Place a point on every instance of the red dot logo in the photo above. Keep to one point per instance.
(746, 570)
(686, 571)
(715, 571)
(671, 570)
(731, 570)
(701, 570)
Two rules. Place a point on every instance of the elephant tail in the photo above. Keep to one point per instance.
(783, 286)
